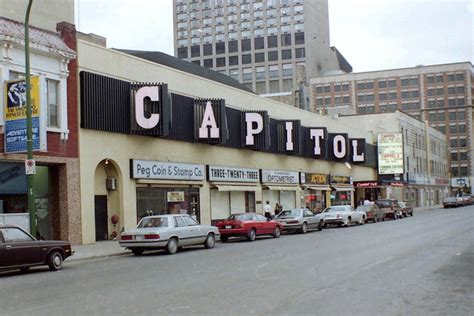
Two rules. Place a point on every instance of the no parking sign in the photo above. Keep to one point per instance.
(30, 166)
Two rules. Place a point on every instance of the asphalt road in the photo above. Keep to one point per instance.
(422, 265)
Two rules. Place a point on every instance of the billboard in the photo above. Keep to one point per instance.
(15, 115)
(390, 153)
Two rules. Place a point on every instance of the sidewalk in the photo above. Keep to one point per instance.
(98, 250)
(111, 248)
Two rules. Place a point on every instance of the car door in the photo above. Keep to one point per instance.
(4, 259)
(182, 230)
(21, 247)
(310, 218)
(195, 234)
(262, 224)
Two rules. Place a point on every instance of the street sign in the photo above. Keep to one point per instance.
(30, 166)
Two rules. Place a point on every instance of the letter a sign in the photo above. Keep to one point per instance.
(30, 166)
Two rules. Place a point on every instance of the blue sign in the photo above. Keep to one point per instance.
(16, 135)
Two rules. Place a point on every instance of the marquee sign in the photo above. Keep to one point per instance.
(279, 177)
(314, 178)
(390, 153)
(148, 109)
(233, 174)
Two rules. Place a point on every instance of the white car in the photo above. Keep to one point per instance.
(169, 232)
(343, 215)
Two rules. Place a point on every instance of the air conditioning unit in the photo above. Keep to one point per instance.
(111, 184)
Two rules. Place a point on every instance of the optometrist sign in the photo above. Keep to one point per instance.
(15, 116)
(390, 153)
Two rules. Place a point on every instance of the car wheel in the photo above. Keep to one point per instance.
(304, 228)
(362, 221)
(348, 224)
(55, 261)
(277, 232)
(24, 269)
(251, 235)
(224, 238)
(210, 241)
(321, 225)
(172, 246)
(137, 251)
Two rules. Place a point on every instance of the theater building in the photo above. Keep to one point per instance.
(160, 135)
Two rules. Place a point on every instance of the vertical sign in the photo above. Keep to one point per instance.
(390, 153)
(15, 115)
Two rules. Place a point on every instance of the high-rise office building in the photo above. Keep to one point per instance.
(440, 94)
(269, 45)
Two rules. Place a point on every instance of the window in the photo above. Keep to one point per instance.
(273, 71)
(286, 54)
(195, 51)
(382, 96)
(440, 91)
(247, 59)
(286, 40)
(405, 94)
(392, 83)
(53, 103)
(370, 98)
(404, 82)
(220, 62)
(413, 81)
(299, 38)
(234, 73)
(382, 84)
(451, 90)
(345, 87)
(327, 89)
(345, 100)
(451, 78)
(319, 89)
(233, 60)
(259, 57)
(459, 90)
(272, 41)
(460, 101)
(361, 86)
(361, 98)
(183, 52)
(15, 234)
(337, 88)
(245, 44)
(287, 70)
(430, 79)
(196, 62)
(392, 96)
(274, 86)
(233, 46)
(287, 85)
(207, 49)
(439, 79)
(273, 56)
(414, 94)
(260, 72)
(258, 43)
(208, 63)
(260, 87)
(220, 48)
(299, 53)
(190, 221)
(459, 77)
(247, 74)
(183, 42)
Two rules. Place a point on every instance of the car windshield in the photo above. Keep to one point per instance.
(335, 209)
(363, 208)
(148, 222)
(241, 217)
(384, 203)
(402, 204)
(289, 213)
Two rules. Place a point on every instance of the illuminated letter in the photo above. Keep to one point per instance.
(356, 157)
(208, 120)
(318, 135)
(289, 135)
(140, 95)
(339, 140)
(251, 118)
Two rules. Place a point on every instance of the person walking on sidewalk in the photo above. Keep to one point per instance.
(267, 209)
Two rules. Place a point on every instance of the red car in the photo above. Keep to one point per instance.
(249, 225)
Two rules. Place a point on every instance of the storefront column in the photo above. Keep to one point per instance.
(205, 203)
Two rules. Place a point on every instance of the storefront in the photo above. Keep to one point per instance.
(232, 191)
(342, 190)
(368, 190)
(180, 196)
(280, 187)
(316, 191)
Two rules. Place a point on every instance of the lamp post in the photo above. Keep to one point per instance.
(29, 130)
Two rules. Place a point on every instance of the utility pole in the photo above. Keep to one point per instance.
(29, 127)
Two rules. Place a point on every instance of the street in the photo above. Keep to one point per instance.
(421, 265)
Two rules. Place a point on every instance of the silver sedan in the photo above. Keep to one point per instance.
(300, 219)
(169, 232)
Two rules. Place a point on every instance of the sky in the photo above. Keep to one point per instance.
(371, 34)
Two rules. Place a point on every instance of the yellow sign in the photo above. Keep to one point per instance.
(15, 99)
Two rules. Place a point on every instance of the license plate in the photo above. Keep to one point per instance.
(138, 237)
(228, 227)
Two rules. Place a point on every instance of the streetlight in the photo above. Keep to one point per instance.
(29, 130)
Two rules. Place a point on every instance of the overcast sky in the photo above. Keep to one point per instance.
(371, 34)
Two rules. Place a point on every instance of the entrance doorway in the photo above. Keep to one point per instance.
(101, 231)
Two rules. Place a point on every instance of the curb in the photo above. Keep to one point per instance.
(99, 256)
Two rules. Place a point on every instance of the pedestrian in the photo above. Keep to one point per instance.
(278, 208)
(267, 209)
(361, 201)
(367, 201)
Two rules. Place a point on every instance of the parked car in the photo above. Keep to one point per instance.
(372, 212)
(20, 250)
(390, 207)
(343, 215)
(406, 210)
(451, 201)
(300, 219)
(465, 200)
(249, 225)
(169, 232)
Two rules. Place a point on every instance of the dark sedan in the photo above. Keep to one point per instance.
(20, 250)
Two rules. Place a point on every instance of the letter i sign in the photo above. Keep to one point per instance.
(30, 166)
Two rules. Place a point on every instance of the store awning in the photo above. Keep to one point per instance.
(281, 188)
(241, 188)
(341, 188)
(318, 187)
